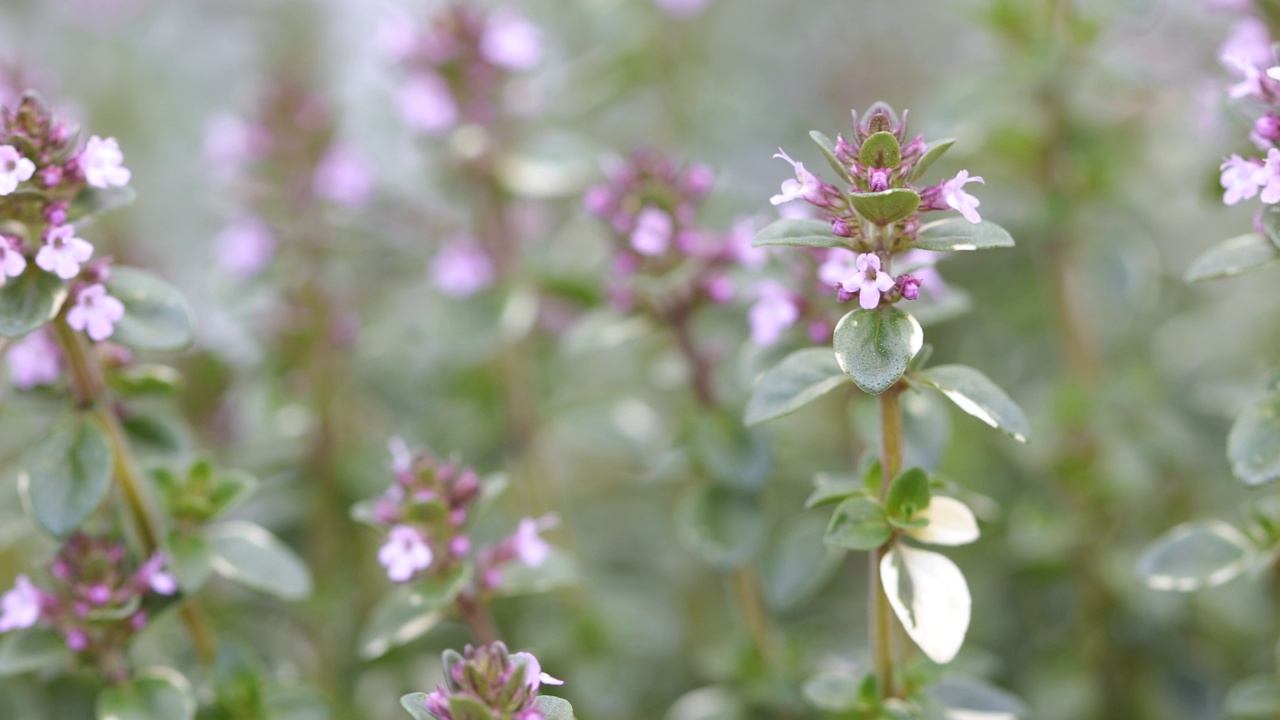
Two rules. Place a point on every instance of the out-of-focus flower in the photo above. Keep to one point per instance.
(405, 553)
(774, 311)
(342, 176)
(244, 247)
(95, 312)
(652, 233)
(103, 164)
(230, 142)
(426, 104)
(1268, 178)
(14, 169)
(961, 201)
(740, 237)
(1250, 84)
(20, 607)
(12, 261)
(528, 543)
(62, 252)
(682, 8)
(805, 185)
(1240, 179)
(34, 360)
(153, 576)
(505, 685)
(533, 675)
(1250, 41)
(462, 268)
(511, 41)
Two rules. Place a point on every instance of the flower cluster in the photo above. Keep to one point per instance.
(456, 65)
(425, 513)
(489, 679)
(96, 603)
(44, 173)
(878, 211)
(1248, 54)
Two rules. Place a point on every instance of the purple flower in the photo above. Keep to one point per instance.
(20, 607)
(1268, 177)
(462, 268)
(1250, 84)
(395, 36)
(863, 277)
(343, 177)
(12, 262)
(405, 553)
(244, 247)
(101, 161)
(14, 169)
(652, 233)
(152, 575)
(401, 456)
(62, 252)
(740, 237)
(682, 8)
(533, 675)
(805, 185)
(34, 360)
(953, 192)
(229, 142)
(1250, 41)
(528, 543)
(426, 104)
(95, 312)
(1241, 179)
(511, 41)
(774, 311)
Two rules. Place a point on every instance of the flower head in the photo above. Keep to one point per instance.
(152, 575)
(95, 312)
(102, 163)
(528, 543)
(1240, 178)
(953, 192)
(20, 607)
(652, 233)
(805, 185)
(511, 41)
(426, 103)
(774, 311)
(462, 268)
(14, 169)
(244, 247)
(405, 553)
(1268, 178)
(62, 252)
(34, 360)
(343, 177)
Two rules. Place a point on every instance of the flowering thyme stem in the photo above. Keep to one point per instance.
(891, 464)
(90, 391)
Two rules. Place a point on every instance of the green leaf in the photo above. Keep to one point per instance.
(415, 704)
(135, 380)
(975, 698)
(1236, 256)
(252, 556)
(978, 396)
(874, 346)
(1195, 555)
(801, 377)
(1254, 697)
(554, 708)
(797, 566)
(957, 234)
(833, 692)
(68, 473)
(830, 489)
(156, 315)
(95, 201)
(723, 526)
(795, 232)
(730, 453)
(935, 150)
(1253, 445)
(33, 649)
(886, 206)
(465, 707)
(859, 523)
(29, 301)
(190, 560)
(156, 694)
(232, 488)
(410, 611)
(880, 150)
(558, 571)
(908, 494)
(829, 152)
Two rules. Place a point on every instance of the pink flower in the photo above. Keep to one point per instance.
(953, 192)
(528, 543)
(652, 233)
(1241, 179)
(1249, 41)
(1268, 177)
(152, 575)
(462, 268)
(401, 457)
(774, 311)
(405, 553)
(14, 169)
(863, 277)
(533, 675)
(34, 360)
(740, 237)
(805, 186)
(1250, 84)
(229, 142)
(395, 36)
(343, 177)
(426, 104)
(244, 247)
(101, 161)
(12, 262)
(95, 312)
(62, 252)
(511, 41)
(682, 8)
(20, 607)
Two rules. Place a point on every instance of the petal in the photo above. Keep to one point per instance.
(938, 617)
(869, 296)
(883, 281)
(951, 522)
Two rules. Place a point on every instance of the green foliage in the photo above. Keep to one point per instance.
(1254, 698)
(146, 379)
(29, 301)
(956, 234)
(874, 346)
(68, 473)
(936, 150)
(859, 523)
(1253, 446)
(790, 232)
(1195, 555)
(554, 708)
(33, 650)
(557, 572)
(1236, 256)
(978, 396)
(414, 704)
(829, 152)
(411, 610)
(802, 377)
(729, 453)
(722, 526)
(880, 150)
(156, 315)
(250, 555)
(156, 694)
(908, 494)
(94, 201)
(887, 206)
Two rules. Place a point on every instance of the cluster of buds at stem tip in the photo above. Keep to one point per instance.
(426, 512)
(488, 681)
(44, 169)
(1248, 54)
(96, 602)
(879, 208)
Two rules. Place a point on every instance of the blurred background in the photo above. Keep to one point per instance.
(1097, 125)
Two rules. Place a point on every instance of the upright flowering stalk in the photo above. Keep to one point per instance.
(489, 681)
(870, 224)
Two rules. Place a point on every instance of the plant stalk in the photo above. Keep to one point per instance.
(881, 619)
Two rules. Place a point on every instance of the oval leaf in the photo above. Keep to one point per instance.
(798, 564)
(33, 649)
(829, 152)
(252, 556)
(950, 522)
(553, 708)
(1256, 697)
(156, 315)
(801, 377)
(410, 611)
(886, 206)
(977, 395)
(29, 301)
(958, 234)
(936, 150)
(796, 232)
(833, 692)
(1253, 445)
(1195, 555)
(156, 694)
(68, 473)
(972, 698)
(190, 560)
(416, 705)
(929, 595)
(1233, 257)
(880, 150)
(874, 346)
(858, 523)
(723, 526)
(94, 201)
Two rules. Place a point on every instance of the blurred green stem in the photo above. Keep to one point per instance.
(881, 619)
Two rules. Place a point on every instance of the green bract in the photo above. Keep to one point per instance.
(886, 206)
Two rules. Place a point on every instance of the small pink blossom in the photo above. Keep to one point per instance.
(805, 185)
(95, 312)
(740, 238)
(102, 163)
(533, 675)
(1250, 41)
(14, 169)
(62, 252)
(1268, 178)
(1250, 84)
(20, 607)
(862, 277)
(34, 360)
(682, 8)
(652, 233)
(12, 261)
(511, 41)
(462, 268)
(244, 247)
(953, 192)
(528, 543)
(401, 457)
(405, 553)
(1241, 179)
(153, 576)
(230, 141)
(343, 177)
(426, 104)
(395, 36)
(774, 311)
